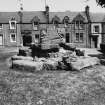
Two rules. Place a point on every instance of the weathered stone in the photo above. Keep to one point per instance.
(58, 60)
(27, 65)
(81, 63)
(16, 57)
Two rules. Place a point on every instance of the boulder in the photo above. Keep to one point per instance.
(51, 63)
(56, 60)
(16, 57)
(26, 65)
(82, 62)
(40, 64)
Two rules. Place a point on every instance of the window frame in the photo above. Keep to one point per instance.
(66, 21)
(56, 23)
(94, 28)
(79, 25)
(35, 26)
(67, 37)
(1, 27)
(37, 38)
(11, 24)
(76, 37)
(11, 37)
(79, 37)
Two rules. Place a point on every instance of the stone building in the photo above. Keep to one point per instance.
(82, 29)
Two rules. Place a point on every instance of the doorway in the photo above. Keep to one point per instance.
(67, 38)
(1, 39)
(95, 39)
(27, 40)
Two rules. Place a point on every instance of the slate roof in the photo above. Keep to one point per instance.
(97, 17)
(61, 15)
(6, 16)
(29, 15)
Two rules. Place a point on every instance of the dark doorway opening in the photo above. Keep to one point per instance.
(67, 38)
(27, 40)
(95, 39)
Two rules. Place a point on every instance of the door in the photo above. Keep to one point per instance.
(95, 39)
(27, 40)
(1, 39)
(67, 38)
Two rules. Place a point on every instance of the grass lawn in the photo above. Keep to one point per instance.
(51, 87)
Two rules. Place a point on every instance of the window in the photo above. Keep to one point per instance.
(1, 39)
(35, 25)
(12, 24)
(79, 37)
(1, 26)
(66, 21)
(56, 21)
(79, 25)
(96, 29)
(76, 24)
(37, 38)
(13, 37)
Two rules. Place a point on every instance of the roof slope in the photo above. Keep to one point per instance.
(97, 17)
(61, 15)
(6, 16)
(29, 15)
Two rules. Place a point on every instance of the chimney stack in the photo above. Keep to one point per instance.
(87, 10)
(47, 12)
(87, 13)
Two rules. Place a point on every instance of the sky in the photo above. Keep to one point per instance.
(55, 5)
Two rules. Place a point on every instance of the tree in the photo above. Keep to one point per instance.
(100, 3)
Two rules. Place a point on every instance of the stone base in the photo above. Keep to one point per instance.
(78, 63)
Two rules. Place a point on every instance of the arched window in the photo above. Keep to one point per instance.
(35, 22)
(56, 20)
(12, 23)
(79, 24)
(66, 20)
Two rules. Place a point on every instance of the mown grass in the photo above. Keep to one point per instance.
(86, 87)
(53, 87)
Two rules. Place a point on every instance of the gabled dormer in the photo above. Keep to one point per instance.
(35, 23)
(79, 21)
(66, 21)
(56, 21)
(12, 23)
